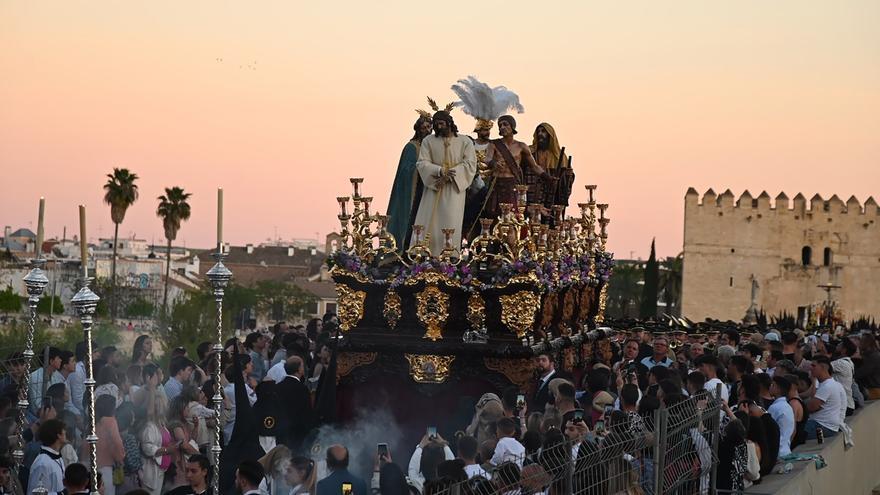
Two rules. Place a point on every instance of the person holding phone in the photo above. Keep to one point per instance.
(340, 476)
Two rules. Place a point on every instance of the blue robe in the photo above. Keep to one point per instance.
(400, 204)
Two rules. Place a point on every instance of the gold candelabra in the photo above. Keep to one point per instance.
(521, 230)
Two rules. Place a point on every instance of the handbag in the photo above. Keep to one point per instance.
(118, 474)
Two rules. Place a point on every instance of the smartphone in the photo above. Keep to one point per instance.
(346, 489)
(608, 410)
(382, 450)
(578, 416)
(432, 432)
(600, 426)
(520, 401)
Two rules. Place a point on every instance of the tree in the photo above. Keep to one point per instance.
(50, 303)
(10, 302)
(173, 209)
(139, 307)
(120, 192)
(624, 292)
(280, 299)
(670, 282)
(649, 290)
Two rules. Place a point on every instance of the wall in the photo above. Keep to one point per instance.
(728, 240)
(849, 472)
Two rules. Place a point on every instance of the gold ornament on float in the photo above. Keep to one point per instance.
(432, 308)
(350, 306)
(518, 311)
(476, 313)
(426, 368)
(391, 309)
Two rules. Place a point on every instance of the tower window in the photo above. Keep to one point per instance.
(731, 281)
(827, 257)
(806, 255)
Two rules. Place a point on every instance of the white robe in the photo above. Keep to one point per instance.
(450, 198)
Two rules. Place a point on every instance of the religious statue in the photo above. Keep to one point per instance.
(487, 104)
(476, 195)
(510, 159)
(446, 165)
(406, 182)
(551, 157)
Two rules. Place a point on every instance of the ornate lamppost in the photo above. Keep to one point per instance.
(219, 276)
(85, 302)
(35, 281)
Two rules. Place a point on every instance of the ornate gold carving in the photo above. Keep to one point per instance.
(603, 300)
(567, 311)
(432, 308)
(476, 313)
(427, 368)
(586, 301)
(338, 271)
(518, 311)
(346, 362)
(520, 372)
(350, 306)
(391, 309)
(551, 303)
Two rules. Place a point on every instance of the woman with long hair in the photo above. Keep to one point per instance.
(302, 475)
(157, 445)
(110, 449)
(182, 435)
(143, 347)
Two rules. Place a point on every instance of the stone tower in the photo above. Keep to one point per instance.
(789, 246)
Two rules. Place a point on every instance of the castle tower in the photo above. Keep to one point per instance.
(790, 247)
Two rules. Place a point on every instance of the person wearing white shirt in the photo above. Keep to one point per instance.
(828, 407)
(467, 452)
(843, 370)
(708, 366)
(782, 413)
(49, 372)
(47, 471)
(414, 472)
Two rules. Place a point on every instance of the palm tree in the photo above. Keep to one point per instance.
(670, 282)
(120, 192)
(173, 209)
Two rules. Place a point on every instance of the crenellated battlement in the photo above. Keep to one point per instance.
(791, 247)
(781, 203)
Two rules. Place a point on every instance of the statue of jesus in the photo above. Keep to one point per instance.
(447, 164)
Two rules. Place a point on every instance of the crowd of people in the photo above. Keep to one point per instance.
(588, 430)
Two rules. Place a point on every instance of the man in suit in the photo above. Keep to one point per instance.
(296, 403)
(546, 371)
(337, 463)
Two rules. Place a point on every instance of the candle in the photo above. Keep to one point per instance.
(39, 246)
(220, 219)
(83, 244)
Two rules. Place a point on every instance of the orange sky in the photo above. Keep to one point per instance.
(648, 97)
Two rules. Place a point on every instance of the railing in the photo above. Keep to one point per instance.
(673, 452)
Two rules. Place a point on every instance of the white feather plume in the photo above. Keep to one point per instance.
(483, 102)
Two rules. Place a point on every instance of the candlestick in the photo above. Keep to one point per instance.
(220, 219)
(83, 243)
(39, 247)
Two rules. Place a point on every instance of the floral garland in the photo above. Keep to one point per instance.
(586, 269)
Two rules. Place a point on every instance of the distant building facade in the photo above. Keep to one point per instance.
(788, 247)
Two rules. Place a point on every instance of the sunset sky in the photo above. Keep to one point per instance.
(281, 102)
